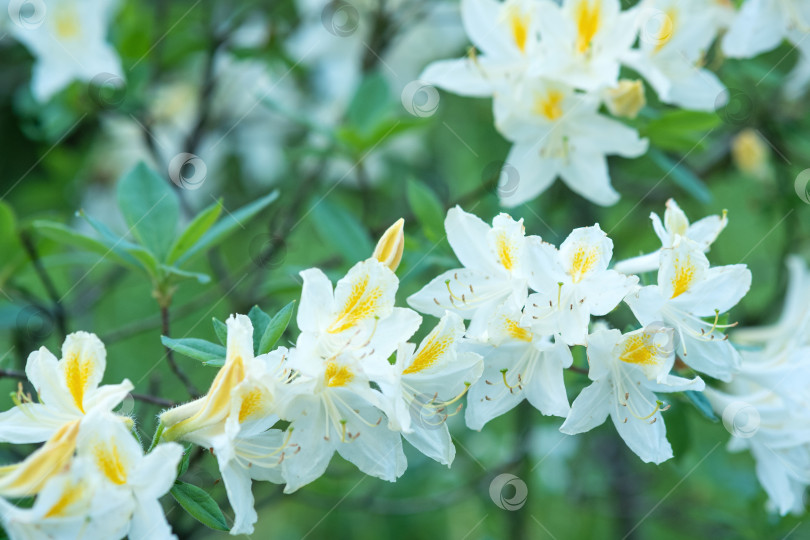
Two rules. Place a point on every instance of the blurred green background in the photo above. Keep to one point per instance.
(325, 125)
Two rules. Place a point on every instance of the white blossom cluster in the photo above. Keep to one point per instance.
(550, 68)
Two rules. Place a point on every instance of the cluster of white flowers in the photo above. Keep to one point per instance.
(550, 67)
(91, 478)
(353, 383)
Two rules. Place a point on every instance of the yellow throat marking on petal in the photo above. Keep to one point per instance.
(583, 261)
(69, 496)
(361, 304)
(109, 463)
(587, 20)
(430, 353)
(337, 375)
(636, 350)
(519, 25)
(506, 250)
(77, 375)
(251, 404)
(516, 331)
(27, 478)
(684, 276)
(550, 105)
(67, 23)
(667, 29)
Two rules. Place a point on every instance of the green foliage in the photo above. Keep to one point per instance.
(200, 505)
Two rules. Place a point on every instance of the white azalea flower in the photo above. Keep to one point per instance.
(761, 25)
(703, 232)
(495, 268)
(67, 390)
(71, 43)
(626, 371)
(429, 380)
(234, 418)
(574, 283)
(775, 432)
(71, 504)
(109, 446)
(559, 132)
(689, 290)
(518, 364)
(506, 35)
(582, 41)
(675, 35)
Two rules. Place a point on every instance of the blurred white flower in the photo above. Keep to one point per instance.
(69, 44)
(761, 25)
(626, 371)
(559, 132)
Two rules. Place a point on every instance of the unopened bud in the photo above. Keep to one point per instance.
(626, 99)
(750, 153)
(392, 243)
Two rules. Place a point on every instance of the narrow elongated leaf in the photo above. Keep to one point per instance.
(61, 233)
(198, 227)
(702, 404)
(178, 274)
(682, 175)
(227, 225)
(150, 208)
(340, 228)
(199, 505)
(182, 467)
(275, 328)
(427, 208)
(260, 320)
(221, 330)
(198, 349)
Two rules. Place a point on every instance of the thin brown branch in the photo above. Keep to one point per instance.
(179, 373)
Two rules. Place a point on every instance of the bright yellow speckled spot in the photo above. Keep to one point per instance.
(361, 304)
(70, 495)
(109, 462)
(666, 30)
(550, 105)
(519, 24)
(433, 349)
(251, 404)
(587, 19)
(635, 350)
(506, 250)
(337, 375)
(583, 261)
(516, 331)
(77, 375)
(684, 276)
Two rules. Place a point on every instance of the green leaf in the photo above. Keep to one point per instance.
(198, 227)
(177, 274)
(156, 436)
(8, 224)
(370, 103)
(702, 404)
(227, 225)
(678, 430)
(63, 234)
(260, 320)
(150, 208)
(428, 209)
(338, 227)
(198, 349)
(275, 328)
(221, 330)
(200, 505)
(682, 175)
(182, 467)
